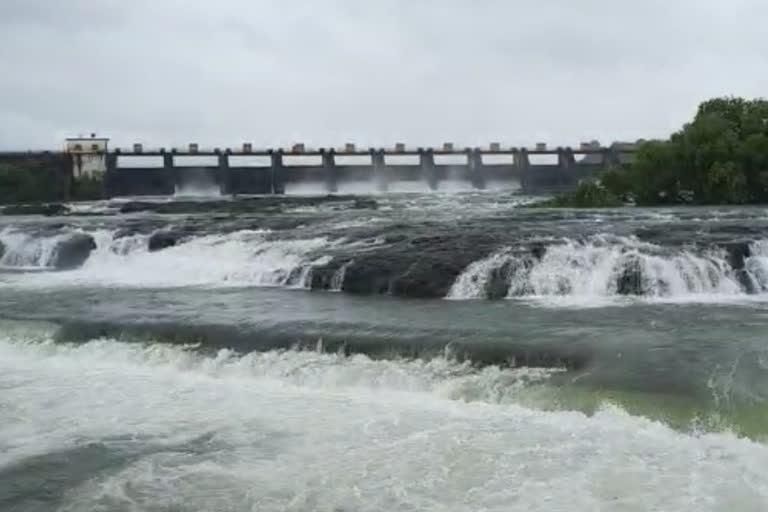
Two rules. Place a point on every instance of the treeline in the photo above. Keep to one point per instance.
(721, 157)
(25, 183)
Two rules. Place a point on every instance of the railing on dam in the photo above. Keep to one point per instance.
(271, 171)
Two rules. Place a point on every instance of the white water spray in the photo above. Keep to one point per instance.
(337, 279)
(756, 265)
(611, 266)
(196, 183)
(290, 430)
(243, 258)
(24, 250)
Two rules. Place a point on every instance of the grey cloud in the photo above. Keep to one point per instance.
(374, 72)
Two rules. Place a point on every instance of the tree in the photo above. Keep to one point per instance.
(719, 157)
(20, 184)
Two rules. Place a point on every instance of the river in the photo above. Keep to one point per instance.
(405, 351)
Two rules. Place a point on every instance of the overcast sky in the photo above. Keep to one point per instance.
(168, 72)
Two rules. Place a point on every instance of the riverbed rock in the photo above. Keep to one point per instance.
(427, 278)
(164, 239)
(267, 204)
(422, 267)
(49, 209)
(72, 252)
(737, 253)
(364, 203)
(630, 279)
(500, 278)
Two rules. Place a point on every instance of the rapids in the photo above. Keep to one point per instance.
(475, 354)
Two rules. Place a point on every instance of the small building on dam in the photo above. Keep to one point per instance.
(89, 155)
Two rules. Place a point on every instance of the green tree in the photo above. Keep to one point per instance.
(20, 184)
(719, 157)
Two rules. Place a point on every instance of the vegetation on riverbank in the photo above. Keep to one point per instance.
(21, 184)
(721, 157)
(41, 184)
(588, 194)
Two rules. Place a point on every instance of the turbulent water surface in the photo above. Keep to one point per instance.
(411, 351)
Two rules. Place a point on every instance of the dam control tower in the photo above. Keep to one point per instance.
(89, 155)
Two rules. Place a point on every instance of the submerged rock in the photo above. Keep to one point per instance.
(630, 279)
(737, 253)
(2, 250)
(268, 204)
(365, 203)
(427, 278)
(423, 267)
(35, 209)
(164, 239)
(500, 278)
(72, 252)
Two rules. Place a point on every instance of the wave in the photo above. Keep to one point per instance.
(303, 430)
(608, 266)
(312, 367)
(442, 377)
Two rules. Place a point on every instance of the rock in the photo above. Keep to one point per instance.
(322, 275)
(36, 209)
(746, 282)
(2, 250)
(371, 274)
(630, 280)
(267, 204)
(72, 252)
(737, 253)
(364, 203)
(427, 278)
(422, 266)
(499, 279)
(538, 251)
(164, 239)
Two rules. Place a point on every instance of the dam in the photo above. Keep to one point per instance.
(245, 170)
(272, 171)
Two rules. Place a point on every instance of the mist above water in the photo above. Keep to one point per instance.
(196, 183)
(397, 187)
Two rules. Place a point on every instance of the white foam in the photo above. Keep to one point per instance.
(91, 207)
(757, 265)
(196, 183)
(450, 186)
(337, 279)
(26, 250)
(306, 431)
(593, 268)
(588, 273)
(471, 284)
(243, 258)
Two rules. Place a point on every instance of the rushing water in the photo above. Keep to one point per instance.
(476, 355)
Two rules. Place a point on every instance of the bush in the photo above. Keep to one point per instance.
(587, 195)
(23, 185)
(39, 182)
(87, 189)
